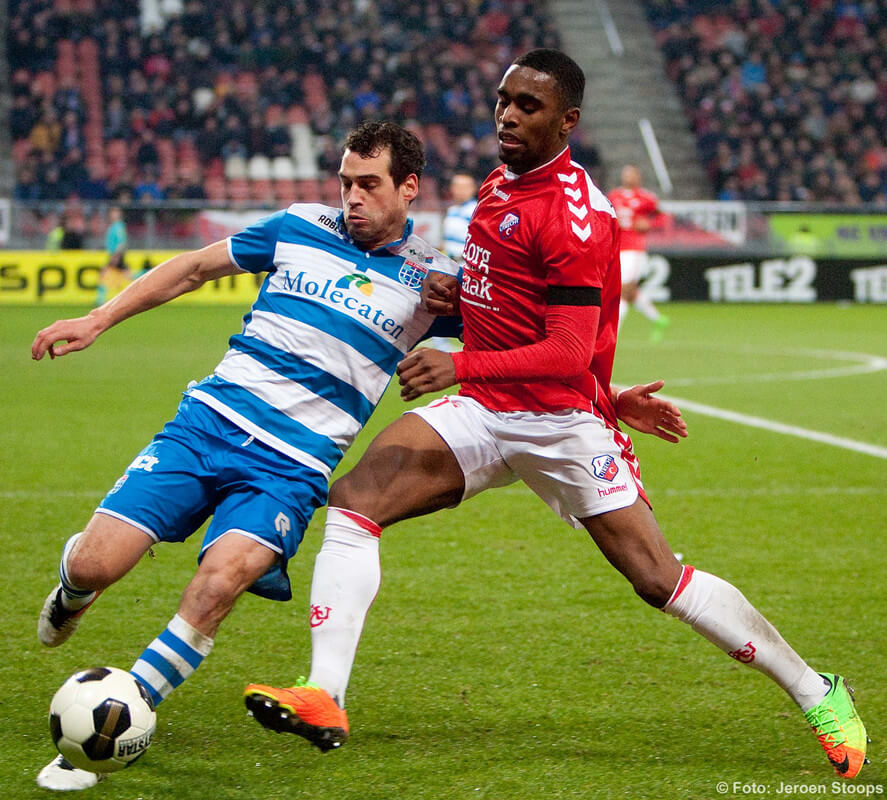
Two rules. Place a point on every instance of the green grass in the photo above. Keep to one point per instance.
(503, 657)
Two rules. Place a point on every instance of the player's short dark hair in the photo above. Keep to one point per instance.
(566, 72)
(407, 152)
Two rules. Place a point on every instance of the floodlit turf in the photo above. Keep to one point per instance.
(503, 658)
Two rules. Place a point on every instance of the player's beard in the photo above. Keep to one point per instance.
(375, 232)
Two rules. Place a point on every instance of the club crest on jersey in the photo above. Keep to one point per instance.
(412, 274)
(605, 467)
(509, 225)
(119, 484)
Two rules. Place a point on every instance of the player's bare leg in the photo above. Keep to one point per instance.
(91, 561)
(626, 298)
(631, 540)
(228, 568)
(407, 471)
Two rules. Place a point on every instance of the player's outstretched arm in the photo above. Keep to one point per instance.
(638, 408)
(179, 274)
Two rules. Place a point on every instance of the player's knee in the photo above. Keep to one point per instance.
(346, 492)
(209, 597)
(87, 569)
(653, 588)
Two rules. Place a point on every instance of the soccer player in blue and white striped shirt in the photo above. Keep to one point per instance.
(254, 444)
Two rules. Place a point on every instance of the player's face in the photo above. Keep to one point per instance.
(631, 177)
(462, 188)
(531, 121)
(375, 209)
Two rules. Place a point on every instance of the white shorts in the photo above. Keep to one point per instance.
(633, 265)
(571, 459)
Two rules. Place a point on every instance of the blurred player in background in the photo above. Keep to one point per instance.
(255, 443)
(636, 208)
(539, 299)
(115, 274)
(463, 193)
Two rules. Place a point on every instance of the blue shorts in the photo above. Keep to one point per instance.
(202, 464)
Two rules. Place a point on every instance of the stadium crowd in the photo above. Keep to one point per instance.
(105, 110)
(788, 99)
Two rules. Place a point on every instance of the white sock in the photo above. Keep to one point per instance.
(346, 579)
(171, 658)
(719, 611)
(643, 304)
(73, 597)
(623, 310)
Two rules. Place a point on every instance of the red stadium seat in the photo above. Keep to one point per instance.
(238, 190)
(216, 189)
(285, 191)
(262, 191)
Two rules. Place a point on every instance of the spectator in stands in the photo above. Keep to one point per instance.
(22, 116)
(46, 134)
(147, 155)
(185, 187)
(209, 140)
(806, 74)
(94, 186)
(72, 231)
(51, 185)
(55, 234)
(72, 172)
(28, 186)
(148, 189)
(341, 61)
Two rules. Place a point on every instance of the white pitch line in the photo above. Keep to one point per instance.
(699, 491)
(865, 363)
(739, 491)
(779, 427)
(772, 491)
(40, 494)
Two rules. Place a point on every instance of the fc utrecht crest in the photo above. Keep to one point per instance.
(509, 225)
(412, 274)
(605, 467)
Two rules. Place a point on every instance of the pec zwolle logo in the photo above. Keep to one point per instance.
(358, 280)
(412, 274)
(605, 467)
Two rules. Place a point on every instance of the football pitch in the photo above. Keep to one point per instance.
(503, 658)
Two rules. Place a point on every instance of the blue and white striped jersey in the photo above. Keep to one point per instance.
(455, 228)
(325, 334)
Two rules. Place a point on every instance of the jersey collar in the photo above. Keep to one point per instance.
(407, 232)
(508, 175)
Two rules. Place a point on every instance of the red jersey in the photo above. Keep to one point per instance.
(550, 227)
(630, 204)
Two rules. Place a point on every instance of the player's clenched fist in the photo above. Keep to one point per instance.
(440, 294)
(425, 370)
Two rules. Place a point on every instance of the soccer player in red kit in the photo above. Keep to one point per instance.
(636, 208)
(539, 300)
